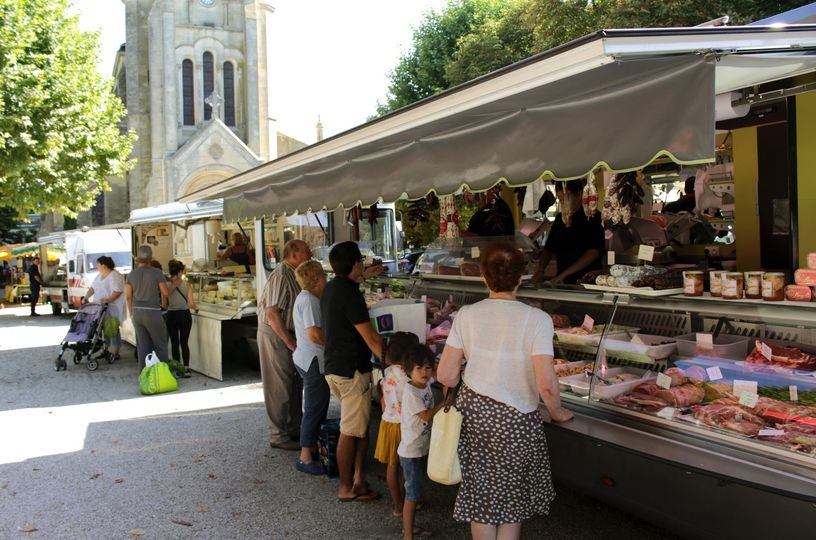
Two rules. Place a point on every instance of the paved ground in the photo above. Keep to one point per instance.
(83, 455)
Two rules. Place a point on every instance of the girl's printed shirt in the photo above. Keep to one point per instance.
(393, 385)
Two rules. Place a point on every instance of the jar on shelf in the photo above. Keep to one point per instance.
(732, 286)
(753, 285)
(773, 286)
(693, 283)
(715, 282)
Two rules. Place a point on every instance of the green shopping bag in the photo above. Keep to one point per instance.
(156, 377)
(110, 326)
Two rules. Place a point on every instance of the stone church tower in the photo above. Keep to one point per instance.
(196, 81)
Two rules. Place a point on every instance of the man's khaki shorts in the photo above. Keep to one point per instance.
(355, 402)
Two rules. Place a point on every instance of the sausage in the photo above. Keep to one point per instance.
(798, 293)
(811, 261)
(805, 276)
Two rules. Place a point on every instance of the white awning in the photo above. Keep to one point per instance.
(616, 99)
(177, 212)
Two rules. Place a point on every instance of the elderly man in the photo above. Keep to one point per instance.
(276, 342)
(146, 293)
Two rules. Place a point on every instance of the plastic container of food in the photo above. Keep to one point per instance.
(725, 346)
(579, 384)
(645, 348)
(753, 285)
(715, 282)
(773, 286)
(732, 286)
(693, 283)
(573, 336)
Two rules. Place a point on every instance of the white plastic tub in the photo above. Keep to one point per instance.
(725, 346)
(580, 383)
(653, 347)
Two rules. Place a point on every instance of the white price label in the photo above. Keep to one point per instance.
(714, 373)
(666, 412)
(664, 381)
(646, 253)
(588, 324)
(474, 252)
(794, 392)
(741, 387)
(770, 432)
(749, 399)
(766, 351)
(705, 341)
(610, 257)
(637, 341)
(424, 298)
(368, 290)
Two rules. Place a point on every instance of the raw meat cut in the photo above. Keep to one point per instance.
(682, 396)
(727, 414)
(470, 268)
(789, 357)
(560, 321)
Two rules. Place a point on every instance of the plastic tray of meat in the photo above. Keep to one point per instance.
(786, 357)
(579, 336)
(641, 347)
(563, 371)
(617, 381)
(737, 369)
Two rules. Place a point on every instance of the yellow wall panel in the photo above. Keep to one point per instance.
(806, 164)
(746, 175)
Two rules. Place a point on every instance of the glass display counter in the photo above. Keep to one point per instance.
(229, 296)
(696, 399)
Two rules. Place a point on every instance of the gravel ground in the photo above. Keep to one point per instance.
(83, 455)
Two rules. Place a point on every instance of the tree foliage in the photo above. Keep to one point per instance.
(59, 120)
(469, 38)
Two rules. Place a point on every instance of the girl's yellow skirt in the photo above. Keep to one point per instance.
(388, 440)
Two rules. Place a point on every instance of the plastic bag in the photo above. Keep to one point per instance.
(110, 327)
(156, 377)
(443, 458)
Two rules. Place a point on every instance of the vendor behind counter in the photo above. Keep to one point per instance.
(239, 252)
(576, 241)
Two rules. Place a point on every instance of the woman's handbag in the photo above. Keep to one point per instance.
(443, 458)
(156, 378)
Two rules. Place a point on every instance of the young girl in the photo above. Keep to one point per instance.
(418, 411)
(388, 439)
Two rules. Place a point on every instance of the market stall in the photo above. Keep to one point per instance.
(223, 290)
(669, 384)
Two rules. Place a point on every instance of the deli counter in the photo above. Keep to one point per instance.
(698, 414)
(225, 320)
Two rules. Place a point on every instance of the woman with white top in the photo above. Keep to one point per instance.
(309, 362)
(508, 350)
(108, 287)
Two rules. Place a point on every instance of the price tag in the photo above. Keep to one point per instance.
(589, 323)
(714, 373)
(664, 381)
(424, 299)
(770, 432)
(741, 387)
(749, 399)
(474, 252)
(666, 412)
(705, 341)
(766, 351)
(794, 392)
(637, 341)
(368, 290)
(610, 257)
(646, 253)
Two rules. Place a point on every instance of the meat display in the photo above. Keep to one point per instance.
(682, 396)
(470, 268)
(643, 398)
(560, 321)
(449, 271)
(728, 414)
(789, 357)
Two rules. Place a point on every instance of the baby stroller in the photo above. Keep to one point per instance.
(86, 337)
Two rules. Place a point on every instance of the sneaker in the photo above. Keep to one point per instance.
(187, 373)
(312, 467)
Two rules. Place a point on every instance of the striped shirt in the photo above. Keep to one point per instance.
(281, 290)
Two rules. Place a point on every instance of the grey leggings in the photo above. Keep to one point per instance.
(151, 334)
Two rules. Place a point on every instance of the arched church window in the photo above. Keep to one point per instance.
(209, 82)
(229, 94)
(188, 108)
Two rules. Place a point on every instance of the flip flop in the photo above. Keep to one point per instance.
(361, 497)
(421, 532)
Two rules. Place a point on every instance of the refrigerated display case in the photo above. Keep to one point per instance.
(225, 321)
(706, 436)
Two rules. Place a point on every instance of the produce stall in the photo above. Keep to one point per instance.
(637, 360)
(226, 319)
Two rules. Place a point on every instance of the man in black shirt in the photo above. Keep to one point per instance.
(577, 248)
(35, 281)
(686, 203)
(350, 340)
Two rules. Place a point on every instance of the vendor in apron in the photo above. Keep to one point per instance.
(238, 253)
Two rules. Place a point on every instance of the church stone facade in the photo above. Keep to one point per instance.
(194, 77)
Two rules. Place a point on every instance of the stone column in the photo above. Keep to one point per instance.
(171, 71)
(155, 186)
(259, 138)
(138, 104)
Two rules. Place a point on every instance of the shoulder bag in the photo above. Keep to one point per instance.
(443, 457)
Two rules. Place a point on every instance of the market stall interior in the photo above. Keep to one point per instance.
(689, 351)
